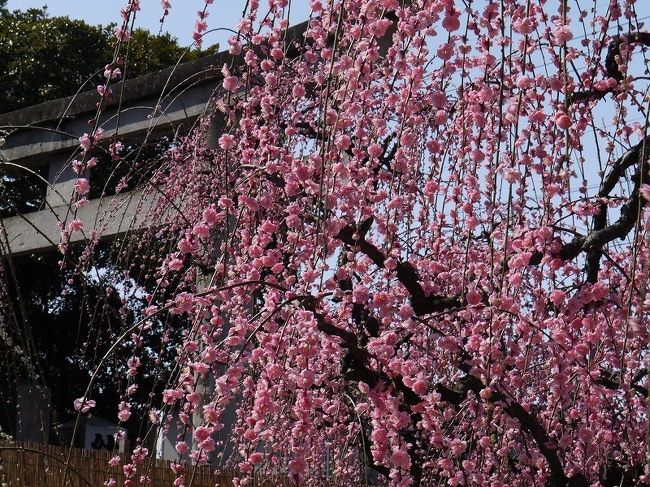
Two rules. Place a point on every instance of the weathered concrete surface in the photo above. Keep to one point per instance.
(110, 217)
(30, 146)
(164, 82)
(62, 178)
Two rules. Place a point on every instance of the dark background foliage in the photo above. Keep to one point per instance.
(44, 58)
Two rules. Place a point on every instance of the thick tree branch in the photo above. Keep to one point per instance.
(528, 422)
(601, 233)
(612, 66)
(610, 380)
(358, 369)
(406, 273)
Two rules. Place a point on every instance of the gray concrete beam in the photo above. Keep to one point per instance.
(110, 216)
(165, 81)
(30, 146)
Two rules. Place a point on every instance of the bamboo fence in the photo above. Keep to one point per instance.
(25, 464)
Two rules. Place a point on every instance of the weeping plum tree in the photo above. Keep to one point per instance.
(419, 247)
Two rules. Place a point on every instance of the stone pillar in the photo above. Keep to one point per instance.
(166, 442)
(205, 386)
(32, 413)
(61, 177)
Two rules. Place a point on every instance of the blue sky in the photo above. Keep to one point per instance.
(180, 22)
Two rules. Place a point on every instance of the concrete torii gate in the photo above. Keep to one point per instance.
(147, 107)
(151, 106)
(45, 137)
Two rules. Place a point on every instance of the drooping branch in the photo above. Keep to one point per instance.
(358, 369)
(385, 471)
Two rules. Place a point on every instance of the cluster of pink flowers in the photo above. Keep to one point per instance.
(408, 251)
(201, 25)
(84, 405)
